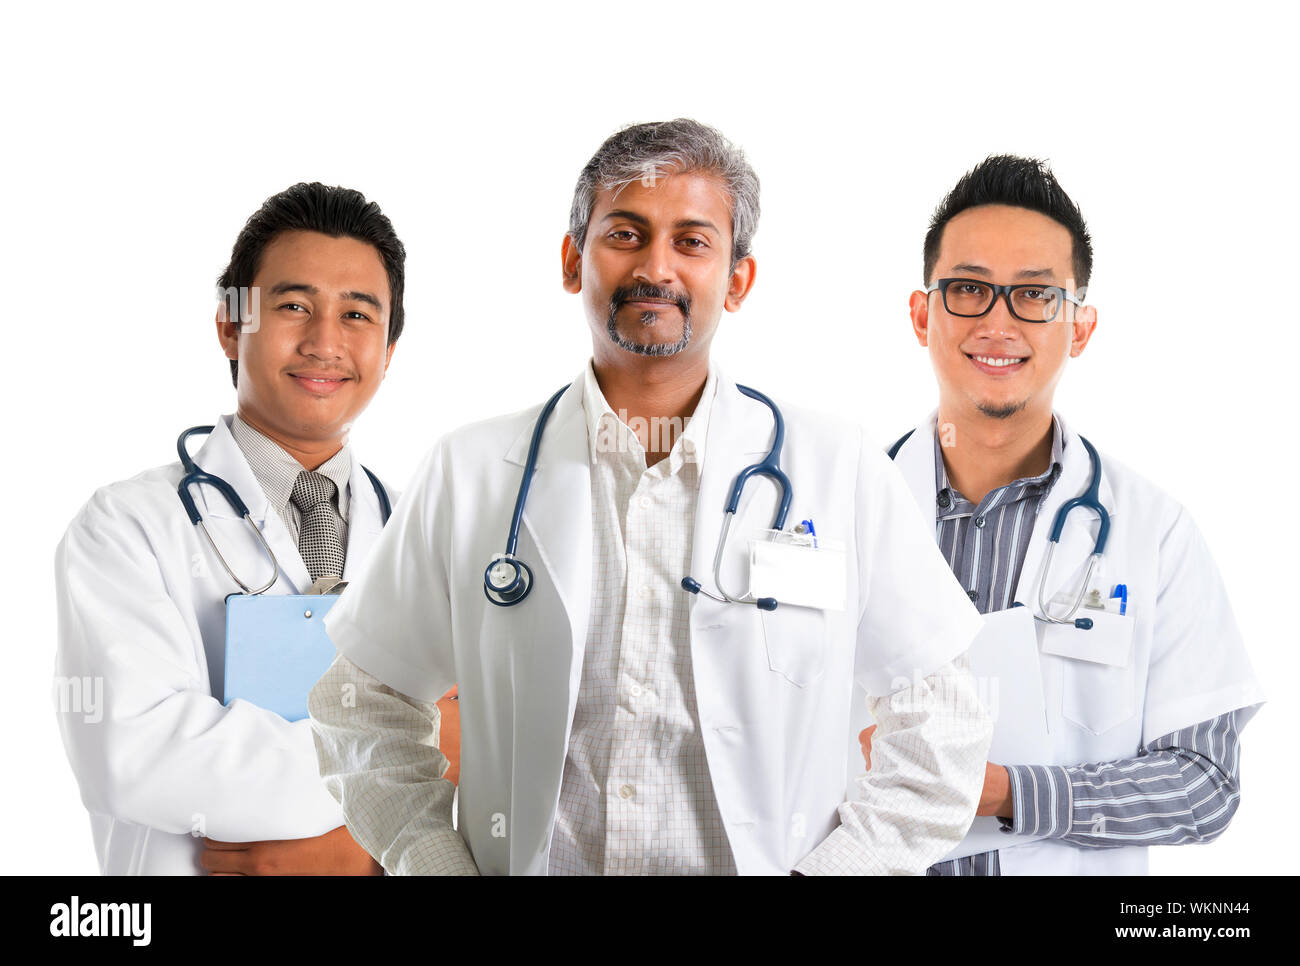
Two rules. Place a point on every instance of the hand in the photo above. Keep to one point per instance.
(996, 797)
(334, 853)
(864, 736)
(449, 733)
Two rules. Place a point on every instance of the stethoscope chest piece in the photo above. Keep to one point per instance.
(507, 581)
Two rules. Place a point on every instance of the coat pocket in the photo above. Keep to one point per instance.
(1097, 698)
(1098, 679)
(795, 638)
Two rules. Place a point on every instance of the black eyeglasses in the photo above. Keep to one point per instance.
(970, 298)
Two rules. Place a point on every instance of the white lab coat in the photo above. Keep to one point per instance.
(773, 688)
(1187, 662)
(141, 609)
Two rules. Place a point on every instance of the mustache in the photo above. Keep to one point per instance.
(644, 290)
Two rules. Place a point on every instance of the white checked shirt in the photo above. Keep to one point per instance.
(636, 796)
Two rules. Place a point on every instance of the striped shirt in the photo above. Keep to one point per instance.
(1180, 788)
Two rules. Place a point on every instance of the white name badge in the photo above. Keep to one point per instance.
(799, 575)
(1109, 641)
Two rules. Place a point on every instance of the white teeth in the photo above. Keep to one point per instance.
(991, 361)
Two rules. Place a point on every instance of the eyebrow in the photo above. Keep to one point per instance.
(281, 288)
(1023, 273)
(362, 297)
(643, 220)
(626, 215)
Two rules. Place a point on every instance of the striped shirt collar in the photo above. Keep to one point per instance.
(276, 471)
(611, 438)
(958, 504)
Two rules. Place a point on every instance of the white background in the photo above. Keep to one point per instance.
(139, 138)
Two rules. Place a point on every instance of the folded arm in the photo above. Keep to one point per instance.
(157, 749)
(378, 753)
(919, 798)
(1181, 788)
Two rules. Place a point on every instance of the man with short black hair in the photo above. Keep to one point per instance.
(176, 782)
(1145, 681)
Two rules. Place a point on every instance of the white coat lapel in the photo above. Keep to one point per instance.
(221, 456)
(557, 513)
(915, 460)
(365, 520)
(1079, 535)
(546, 664)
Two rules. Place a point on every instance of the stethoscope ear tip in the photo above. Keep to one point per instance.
(690, 585)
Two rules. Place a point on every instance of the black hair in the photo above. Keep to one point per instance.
(1005, 179)
(337, 212)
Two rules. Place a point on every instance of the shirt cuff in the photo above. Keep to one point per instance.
(1042, 801)
(840, 854)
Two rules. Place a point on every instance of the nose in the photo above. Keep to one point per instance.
(997, 322)
(324, 336)
(656, 263)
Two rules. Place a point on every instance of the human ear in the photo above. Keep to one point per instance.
(918, 305)
(571, 265)
(740, 283)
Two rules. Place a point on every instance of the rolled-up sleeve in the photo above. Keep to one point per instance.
(927, 771)
(379, 757)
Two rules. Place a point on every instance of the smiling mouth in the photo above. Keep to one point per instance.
(997, 362)
(320, 384)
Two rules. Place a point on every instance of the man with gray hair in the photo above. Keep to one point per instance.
(618, 715)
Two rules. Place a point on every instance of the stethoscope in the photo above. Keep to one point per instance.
(1089, 501)
(508, 580)
(195, 475)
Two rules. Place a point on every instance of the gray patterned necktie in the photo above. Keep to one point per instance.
(318, 537)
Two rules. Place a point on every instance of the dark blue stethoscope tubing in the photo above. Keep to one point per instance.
(770, 466)
(195, 475)
(530, 465)
(1090, 500)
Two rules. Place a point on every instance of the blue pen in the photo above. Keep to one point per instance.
(811, 530)
(1121, 591)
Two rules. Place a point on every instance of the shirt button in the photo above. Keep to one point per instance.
(635, 690)
(979, 522)
(645, 591)
(645, 502)
(944, 501)
(627, 791)
(973, 594)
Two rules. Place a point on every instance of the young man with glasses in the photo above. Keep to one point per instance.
(1145, 681)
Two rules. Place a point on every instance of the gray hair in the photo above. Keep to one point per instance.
(643, 152)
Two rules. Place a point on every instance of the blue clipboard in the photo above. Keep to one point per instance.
(276, 650)
(276, 645)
